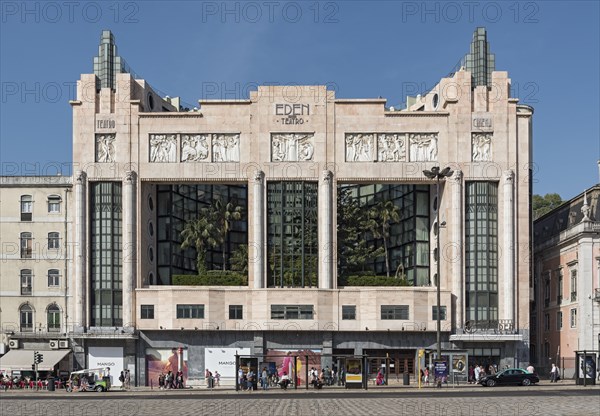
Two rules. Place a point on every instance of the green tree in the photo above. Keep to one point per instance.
(543, 204)
(210, 230)
(352, 226)
(381, 217)
(239, 259)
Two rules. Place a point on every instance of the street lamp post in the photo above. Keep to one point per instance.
(436, 174)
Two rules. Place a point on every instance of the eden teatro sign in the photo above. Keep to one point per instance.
(291, 113)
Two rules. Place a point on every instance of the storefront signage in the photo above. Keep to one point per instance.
(292, 113)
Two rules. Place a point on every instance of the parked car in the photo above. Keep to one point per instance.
(515, 376)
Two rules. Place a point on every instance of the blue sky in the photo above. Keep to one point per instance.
(216, 49)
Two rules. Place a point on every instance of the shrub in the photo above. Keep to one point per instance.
(369, 280)
(211, 278)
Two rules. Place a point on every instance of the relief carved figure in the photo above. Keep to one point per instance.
(359, 147)
(292, 147)
(163, 148)
(423, 147)
(391, 147)
(105, 148)
(226, 147)
(194, 147)
(481, 147)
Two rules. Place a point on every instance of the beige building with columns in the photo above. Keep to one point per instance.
(286, 155)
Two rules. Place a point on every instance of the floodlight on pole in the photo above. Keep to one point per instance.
(436, 174)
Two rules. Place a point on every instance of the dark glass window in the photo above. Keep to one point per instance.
(106, 235)
(53, 278)
(190, 311)
(147, 312)
(26, 318)
(292, 312)
(26, 282)
(434, 310)
(53, 240)
(26, 245)
(349, 312)
(26, 207)
(236, 312)
(54, 204)
(481, 250)
(389, 312)
(292, 234)
(53, 318)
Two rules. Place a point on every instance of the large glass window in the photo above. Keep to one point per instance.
(26, 282)
(434, 310)
(348, 312)
(147, 312)
(292, 311)
(360, 235)
(190, 311)
(26, 318)
(292, 234)
(53, 315)
(106, 254)
(236, 312)
(26, 245)
(481, 240)
(26, 207)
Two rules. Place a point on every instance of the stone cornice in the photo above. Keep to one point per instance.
(360, 101)
(416, 114)
(223, 101)
(174, 114)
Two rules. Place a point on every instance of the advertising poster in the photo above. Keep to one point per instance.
(223, 361)
(441, 370)
(284, 362)
(353, 370)
(111, 357)
(458, 363)
(162, 361)
(587, 366)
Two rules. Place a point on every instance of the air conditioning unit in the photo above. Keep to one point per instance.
(13, 344)
(53, 344)
(63, 344)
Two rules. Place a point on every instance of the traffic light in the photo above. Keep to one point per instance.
(33, 367)
(39, 358)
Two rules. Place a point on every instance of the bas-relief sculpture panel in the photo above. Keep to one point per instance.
(163, 148)
(391, 147)
(423, 147)
(200, 147)
(292, 147)
(481, 146)
(105, 148)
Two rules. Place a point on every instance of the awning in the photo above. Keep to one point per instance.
(23, 359)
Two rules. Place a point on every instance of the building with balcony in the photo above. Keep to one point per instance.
(35, 230)
(325, 197)
(566, 283)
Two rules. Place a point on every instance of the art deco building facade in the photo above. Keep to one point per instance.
(566, 297)
(288, 156)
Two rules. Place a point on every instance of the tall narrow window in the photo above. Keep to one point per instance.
(481, 238)
(26, 207)
(292, 234)
(106, 254)
(559, 323)
(26, 318)
(53, 278)
(53, 313)
(53, 240)
(559, 288)
(573, 318)
(26, 282)
(573, 285)
(26, 245)
(54, 204)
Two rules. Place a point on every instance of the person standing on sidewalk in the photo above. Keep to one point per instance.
(553, 373)
(265, 379)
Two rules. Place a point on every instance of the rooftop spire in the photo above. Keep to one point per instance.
(479, 61)
(107, 64)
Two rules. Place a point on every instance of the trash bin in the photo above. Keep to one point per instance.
(406, 379)
(51, 384)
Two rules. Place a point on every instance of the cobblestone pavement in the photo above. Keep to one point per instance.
(475, 402)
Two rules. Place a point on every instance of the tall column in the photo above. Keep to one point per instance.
(129, 248)
(258, 226)
(80, 252)
(458, 249)
(509, 245)
(325, 202)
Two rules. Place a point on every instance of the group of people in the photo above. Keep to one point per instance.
(170, 380)
(325, 377)
(125, 379)
(212, 380)
(477, 372)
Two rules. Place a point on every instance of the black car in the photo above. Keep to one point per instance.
(516, 376)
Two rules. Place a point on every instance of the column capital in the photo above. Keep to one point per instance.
(258, 176)
(80, 177)
(130, 176)
(327, 176)
(509, 176)
(457, 176)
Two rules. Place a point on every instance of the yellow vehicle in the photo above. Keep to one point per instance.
(94, 379)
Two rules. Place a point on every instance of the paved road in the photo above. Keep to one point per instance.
(536, 400)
